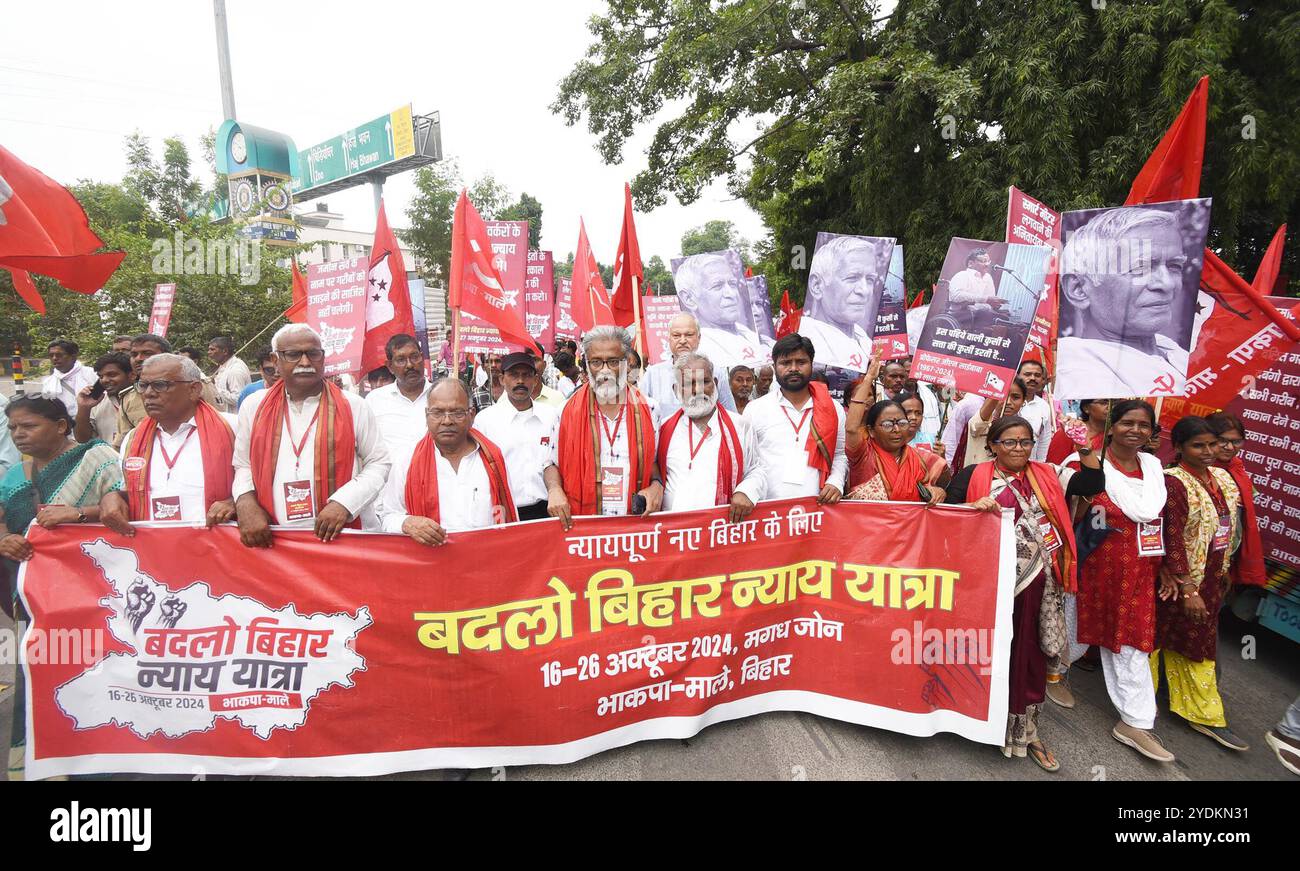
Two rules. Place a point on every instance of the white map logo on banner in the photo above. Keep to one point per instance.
(197, 657)
(333, 339)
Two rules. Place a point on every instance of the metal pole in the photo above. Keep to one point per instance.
(377, 186)
(223, 59)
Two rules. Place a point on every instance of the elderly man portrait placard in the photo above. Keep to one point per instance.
(712, 287)
(845, 284)
(1128, 287)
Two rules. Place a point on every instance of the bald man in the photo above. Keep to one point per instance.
(657, 381)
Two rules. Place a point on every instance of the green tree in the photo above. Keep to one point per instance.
(178, 191)
(658, 276)
(429, 216)
(527, 209)
(714, 236)
(829, 115)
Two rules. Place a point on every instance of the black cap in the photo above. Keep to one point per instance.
(519, 358)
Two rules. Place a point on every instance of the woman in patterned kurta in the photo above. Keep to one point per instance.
(1203, 502)
(1118, 580)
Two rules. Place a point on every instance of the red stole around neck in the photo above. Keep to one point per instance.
(731, 456)
(217, 443)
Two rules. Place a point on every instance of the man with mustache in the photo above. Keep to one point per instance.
(799, 428)
(307, 453)
(659, 381)
(524, 428)
(177, 463)
(708, 455)
(454, 478)
(604, 454)
(130, 409)
(399, 407)
(1121, 274)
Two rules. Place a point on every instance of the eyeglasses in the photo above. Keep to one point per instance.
(313, 354)
(888, 425)
(604, 364)
(438, 414)
(415, 360)
(1025, 444)
(159, 386)
(1233, 443)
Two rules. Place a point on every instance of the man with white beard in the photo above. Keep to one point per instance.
(711, 457)
(604, 454)
(658, 382)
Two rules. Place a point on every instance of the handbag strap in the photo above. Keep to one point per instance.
(1034, 529)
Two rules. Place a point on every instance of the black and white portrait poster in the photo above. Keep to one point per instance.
(1128, 288)
(712, 287)
(761, 305)
(891, 336)
(846, 283)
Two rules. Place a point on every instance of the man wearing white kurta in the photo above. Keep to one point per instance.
(303, 364)
(658, 382)
(68, 377)
(399, 407)
(232, 374)
(696, 439)
(523, 428)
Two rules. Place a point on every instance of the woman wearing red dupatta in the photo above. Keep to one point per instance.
(1045, 554)
(1248, 562)
(882, 466)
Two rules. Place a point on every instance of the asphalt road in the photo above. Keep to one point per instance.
(790, 746)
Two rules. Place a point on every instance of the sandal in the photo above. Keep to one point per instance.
(1043, 757)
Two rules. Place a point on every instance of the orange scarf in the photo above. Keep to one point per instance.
(334, 450)
(1248, 567)
(731, 456)
(900, 478)
(216, 441)
(1051, 498)
(822, 435)
(579, 448)
(422, 480)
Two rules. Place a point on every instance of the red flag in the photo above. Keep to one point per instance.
(919, 301)
(475, 286)
(297, 312)
(1173, 171)
(590, 306)
(791, 317)
(388, 299)
(749, 272)
(43, 229)
(627, 265)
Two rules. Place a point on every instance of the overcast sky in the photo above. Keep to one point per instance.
(80, 76)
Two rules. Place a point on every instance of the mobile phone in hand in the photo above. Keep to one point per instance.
(924, 492)
(98, 390)
(638, 504)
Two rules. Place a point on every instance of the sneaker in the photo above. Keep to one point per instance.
(1222, 734)
(1286, 749)
(1141, 740)
(1059, 692)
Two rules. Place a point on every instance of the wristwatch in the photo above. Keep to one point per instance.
(81, 516)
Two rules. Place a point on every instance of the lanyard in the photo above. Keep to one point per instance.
(604, 425)
(807, 411)
(695, 449)
(297, 446)
(162, 449)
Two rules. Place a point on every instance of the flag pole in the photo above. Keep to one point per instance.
(455, 342)
(636, 317)
(259, 334)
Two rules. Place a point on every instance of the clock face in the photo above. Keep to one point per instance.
(243, 196)
(238, 148)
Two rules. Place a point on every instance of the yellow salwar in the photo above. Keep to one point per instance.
(1193, 689)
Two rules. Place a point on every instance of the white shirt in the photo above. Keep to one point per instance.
(614, 455)
(931, 416)
(402, 422)
(369, 469)
(726, 348)
(959, 416)
(103, 419)
(229, 381)
(64, 386)
(185, 479)
(833, 348)
(968, 286)
(1039, 415)
(464, 494)
(9, 455)
(657, 384)
(784, 452)
(693, 483)
(565, 385)
(524, 438)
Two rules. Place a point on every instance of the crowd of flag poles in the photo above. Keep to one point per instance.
(44, 230)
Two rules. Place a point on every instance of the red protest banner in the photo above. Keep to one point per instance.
(620, 630)
(659, 312)
(1033, 223)
(539, 298)
(164, 295)
(565, 326)
(510, 257)
(336, 308)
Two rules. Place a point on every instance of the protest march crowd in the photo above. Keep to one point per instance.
(1112, 550)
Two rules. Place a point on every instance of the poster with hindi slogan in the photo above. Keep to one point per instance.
(164, 295)
(565, 326)
(659, 312)
(292, 661)
(539, 298)
(1033, 223)
(336, 308)
(1128, 288)
(510, 257)
(891, 334)
(979, 318)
